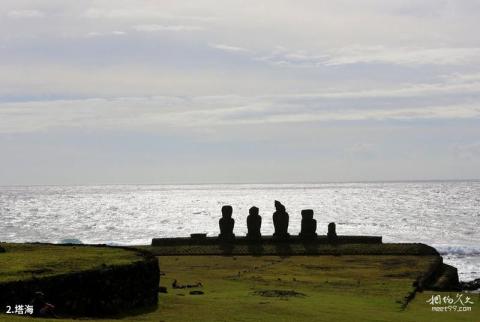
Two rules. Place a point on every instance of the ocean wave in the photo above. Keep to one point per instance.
(458, 250)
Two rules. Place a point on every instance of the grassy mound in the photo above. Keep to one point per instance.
(25, 261)
(80, 281)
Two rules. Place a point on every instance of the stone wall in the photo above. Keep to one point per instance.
(266, 240)
(98, 292)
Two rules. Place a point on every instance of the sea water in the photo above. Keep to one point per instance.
(445, 215)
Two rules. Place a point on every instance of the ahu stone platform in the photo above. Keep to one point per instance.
(345, 245)
(202, 239)
(199, 244)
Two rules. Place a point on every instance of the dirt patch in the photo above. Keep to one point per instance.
(196, 293)
(319, 267)
(279, 293)
(401, 275)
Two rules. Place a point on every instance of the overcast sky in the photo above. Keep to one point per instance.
(118, 91)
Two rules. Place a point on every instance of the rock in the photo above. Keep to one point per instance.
(470, 286)
(196, 293)
(279, 293)
(254, 223)
(280, 221)
(226, 223)
(446, 280)
(309, 225)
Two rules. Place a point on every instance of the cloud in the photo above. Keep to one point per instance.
(19, 14)
(153, 27)
(155, 12)
(229, 48)
(404, 56)
(402, 75)
(154, 113)
(373, 55)
(101, 34)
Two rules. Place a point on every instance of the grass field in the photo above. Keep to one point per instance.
(298, 288)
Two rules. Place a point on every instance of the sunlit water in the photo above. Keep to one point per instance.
(445, 215)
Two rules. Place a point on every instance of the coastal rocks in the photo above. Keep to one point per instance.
(280, 221)
(446, 279)
(254, 223)
(309, 225)
(226, 223)
(470, 286)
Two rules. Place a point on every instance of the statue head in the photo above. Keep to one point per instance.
(253, 211)
(279, 207)
(227, 211)
(331, 228)
(307, 214)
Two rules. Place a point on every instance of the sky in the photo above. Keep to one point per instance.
(143, 91)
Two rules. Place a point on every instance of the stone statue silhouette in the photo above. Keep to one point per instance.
(309, 225)
(254, 222)
(280, 221)
(226, 223)
(332, 234)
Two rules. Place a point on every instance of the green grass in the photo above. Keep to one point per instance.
(23, 261)
(336, 288)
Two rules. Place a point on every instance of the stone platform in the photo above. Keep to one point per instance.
(199, 239)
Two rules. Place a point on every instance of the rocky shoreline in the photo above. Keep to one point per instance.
(471, 285)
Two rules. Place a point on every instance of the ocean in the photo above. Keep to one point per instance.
(445, 215)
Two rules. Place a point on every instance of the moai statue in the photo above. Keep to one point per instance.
(254, 222)
(280, 221)
(226, 223)
(309, 225)
(332, 234)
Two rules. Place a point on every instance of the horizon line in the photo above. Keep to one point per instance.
(241, 183)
